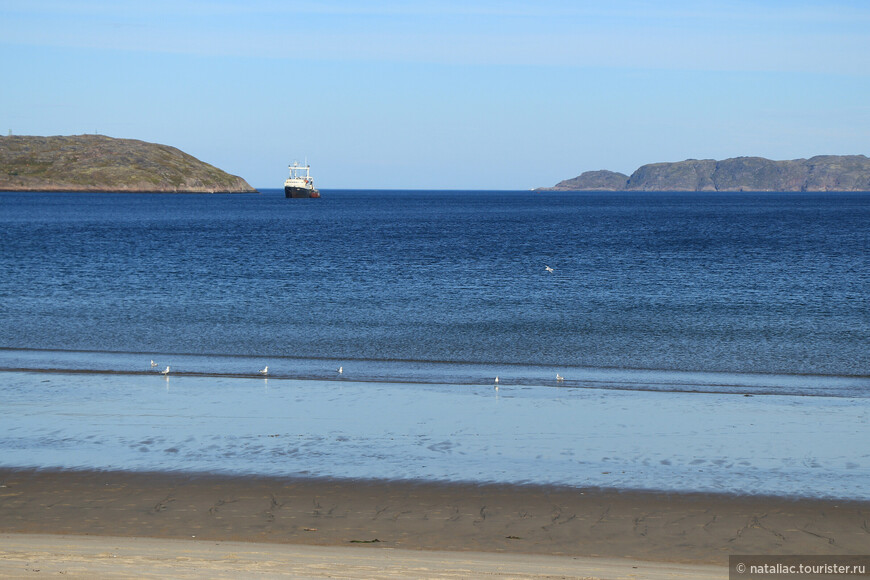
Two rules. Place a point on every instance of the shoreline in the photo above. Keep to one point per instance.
(689, 528)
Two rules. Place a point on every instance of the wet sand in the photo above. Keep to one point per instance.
(417, 516)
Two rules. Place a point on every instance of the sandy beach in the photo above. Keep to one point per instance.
(69, 520)
(25, 555)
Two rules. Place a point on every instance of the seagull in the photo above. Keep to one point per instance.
(496, 383)
(265, 371)
(548, 269)
(559, 378)
(340, 370)
(153, 364)
(165, 372)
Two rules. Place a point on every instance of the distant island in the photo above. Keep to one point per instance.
(96, 163)
(820, 173)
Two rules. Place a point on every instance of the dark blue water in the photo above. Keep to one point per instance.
(738, 283)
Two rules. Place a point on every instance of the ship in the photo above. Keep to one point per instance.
(300, 182)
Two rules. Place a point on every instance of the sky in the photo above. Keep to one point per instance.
(442, 94)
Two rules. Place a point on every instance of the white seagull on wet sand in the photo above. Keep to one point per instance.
(165, 372)
(265, 371)
(548, 269)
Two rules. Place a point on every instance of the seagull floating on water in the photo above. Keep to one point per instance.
(559, 378)
(153, 364)
(340, 370)
(265, 371)
(548, 269)
(165, 372)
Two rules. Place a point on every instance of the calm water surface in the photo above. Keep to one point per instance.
(662, 312)
(771, 283)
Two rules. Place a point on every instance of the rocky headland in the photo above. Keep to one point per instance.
(820, 173)
(96, 163)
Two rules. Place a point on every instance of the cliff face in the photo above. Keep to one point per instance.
(820, 173)
(98, 163)
(688, 175)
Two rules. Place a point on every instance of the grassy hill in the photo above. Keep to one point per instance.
(97, 163)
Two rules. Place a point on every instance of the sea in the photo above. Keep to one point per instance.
(684, 342)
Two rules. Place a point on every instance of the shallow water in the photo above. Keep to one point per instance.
(584, 437)
(423, 372)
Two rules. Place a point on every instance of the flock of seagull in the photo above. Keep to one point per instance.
(340, 370)
(265, 371)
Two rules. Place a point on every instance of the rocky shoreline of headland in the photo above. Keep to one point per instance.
(820, 173)
(96, 163)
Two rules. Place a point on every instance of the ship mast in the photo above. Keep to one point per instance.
(296, 170)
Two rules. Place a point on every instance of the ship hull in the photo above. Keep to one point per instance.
(297, 192)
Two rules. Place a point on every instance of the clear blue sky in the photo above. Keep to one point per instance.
(443, 93)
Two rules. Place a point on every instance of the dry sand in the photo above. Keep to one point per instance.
(24, 555)
(122, 524)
